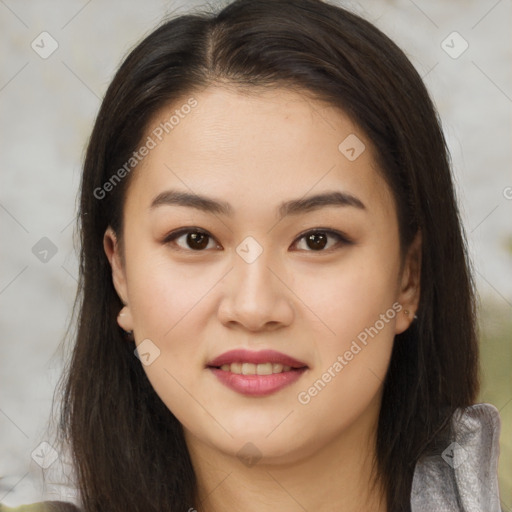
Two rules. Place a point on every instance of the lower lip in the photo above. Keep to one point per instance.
(257, 385)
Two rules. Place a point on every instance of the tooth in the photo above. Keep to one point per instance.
(264, 369)
(255, 369)
(236, 368)
(277, 368)
(248, 368)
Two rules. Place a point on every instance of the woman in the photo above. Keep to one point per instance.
(275, 308)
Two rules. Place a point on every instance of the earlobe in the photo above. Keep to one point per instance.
(124, 320)
(410, 287)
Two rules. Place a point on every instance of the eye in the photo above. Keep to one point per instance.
(318, 240)
(191, 239)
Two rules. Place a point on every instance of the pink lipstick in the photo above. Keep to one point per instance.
(256, 373)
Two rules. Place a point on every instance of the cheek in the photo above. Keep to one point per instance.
(357, 309)
(163, 295)
(350, 297)
(170, 306)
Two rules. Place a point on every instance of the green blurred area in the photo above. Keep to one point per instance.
(495, 322)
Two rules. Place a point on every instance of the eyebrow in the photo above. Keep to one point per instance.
(291, 207)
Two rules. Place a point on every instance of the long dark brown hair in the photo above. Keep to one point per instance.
(128, 449)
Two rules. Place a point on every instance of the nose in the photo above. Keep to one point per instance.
(256, 297)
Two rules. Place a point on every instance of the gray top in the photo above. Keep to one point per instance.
(464, 478)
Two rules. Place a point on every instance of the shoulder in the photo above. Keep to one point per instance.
(464, 476)
(45, 506)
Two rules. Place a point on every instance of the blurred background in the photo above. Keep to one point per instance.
(58, 58)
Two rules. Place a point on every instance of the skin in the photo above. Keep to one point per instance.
(255, 151)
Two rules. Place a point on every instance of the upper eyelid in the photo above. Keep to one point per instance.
(329, 231)
(170, 237)
(342, 238)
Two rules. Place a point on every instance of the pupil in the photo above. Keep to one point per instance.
(316, 241)
(197, 240)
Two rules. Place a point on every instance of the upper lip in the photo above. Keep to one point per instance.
(262, 356)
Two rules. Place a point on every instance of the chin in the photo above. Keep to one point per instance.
(264, 442)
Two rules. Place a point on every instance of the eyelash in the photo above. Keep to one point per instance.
(342, 239)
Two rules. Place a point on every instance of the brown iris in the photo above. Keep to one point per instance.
(316, 241)
(197, 240)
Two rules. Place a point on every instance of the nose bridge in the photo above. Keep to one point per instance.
(254, 296)
(251, 262)
(253, 280)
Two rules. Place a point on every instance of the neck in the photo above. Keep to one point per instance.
(338, 476)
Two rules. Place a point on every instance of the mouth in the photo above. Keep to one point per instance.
(256, 373)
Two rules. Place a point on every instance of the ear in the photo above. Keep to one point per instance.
(410, 285)
(113, 252)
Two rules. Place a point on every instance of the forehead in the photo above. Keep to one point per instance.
(256, 147)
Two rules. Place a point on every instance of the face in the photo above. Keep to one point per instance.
(261, 223)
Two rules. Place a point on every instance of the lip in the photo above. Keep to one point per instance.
(262, 356)
(256, 385)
